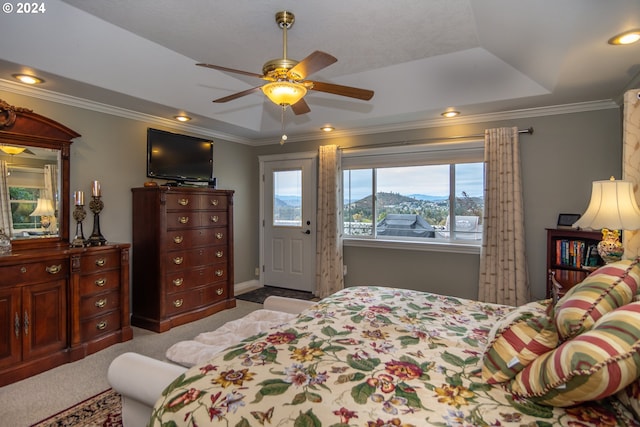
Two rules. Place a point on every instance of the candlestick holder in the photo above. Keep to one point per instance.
(96, 205)
(79, 214)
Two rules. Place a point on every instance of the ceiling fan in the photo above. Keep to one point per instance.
(287, 84)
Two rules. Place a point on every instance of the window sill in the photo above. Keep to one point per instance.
(436, 246)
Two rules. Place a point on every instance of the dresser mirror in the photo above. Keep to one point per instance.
(34, 178)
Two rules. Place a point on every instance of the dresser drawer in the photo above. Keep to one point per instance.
(217, 292)
(185, 301)
(188, 279)
(91, 328)
(185, 260)
(213, 218)
(184, 202)
(99, 282)
(187, 239)
(100, 262)
(34, 272)
(99, 304)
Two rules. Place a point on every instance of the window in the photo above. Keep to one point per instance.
(23, 202)
(423, 194)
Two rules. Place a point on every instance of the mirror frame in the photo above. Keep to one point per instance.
(21, 126)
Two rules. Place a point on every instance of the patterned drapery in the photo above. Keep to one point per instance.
(503, 268)
(631, 162)
(329, 258)
(6, 221)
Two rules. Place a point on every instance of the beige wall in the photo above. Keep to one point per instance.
(559, 161)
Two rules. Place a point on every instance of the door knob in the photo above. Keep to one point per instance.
(307, 232)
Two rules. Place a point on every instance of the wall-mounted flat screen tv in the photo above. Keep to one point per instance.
(179, 158)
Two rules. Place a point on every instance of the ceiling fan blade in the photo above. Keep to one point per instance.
(351, 92)
(312, 63)
(300, 107)
(237, 95)
(231, 70)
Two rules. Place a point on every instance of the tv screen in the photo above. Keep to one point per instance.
(179, 158)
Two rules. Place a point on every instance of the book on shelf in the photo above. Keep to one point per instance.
(576, 253)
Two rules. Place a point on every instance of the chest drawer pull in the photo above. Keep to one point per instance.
(219, 273)
(219, 236)
(23, 269)
(183, 219)
(183, 202)
(178, 303)
(178, 239)
(219, 254)
(102, 325)
(178, 260)
(16, 325)
(219, 291)
(214, 202)
(215, 218)
(101, 262)
(101, 303)
(178, 281)
(54, 269)
(100, 282)
(26, 323)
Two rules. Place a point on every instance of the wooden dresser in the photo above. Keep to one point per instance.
(182, 255)
(58, 305)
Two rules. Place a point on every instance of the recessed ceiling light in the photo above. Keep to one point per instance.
(182, 118)
(28, 79)
(450, 113)
(628, 37)
(327, 128)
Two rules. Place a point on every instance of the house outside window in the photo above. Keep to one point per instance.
(431, 194)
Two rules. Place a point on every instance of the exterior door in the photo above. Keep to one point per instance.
(289, 218)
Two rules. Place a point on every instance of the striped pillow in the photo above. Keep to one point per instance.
(591, 366)
(604, 290)
(516, 340)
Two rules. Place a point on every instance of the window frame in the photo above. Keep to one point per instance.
(469, 151)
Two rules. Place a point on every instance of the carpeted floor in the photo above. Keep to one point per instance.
(260, 294)
(101, 410)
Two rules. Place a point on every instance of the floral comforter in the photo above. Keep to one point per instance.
(365, 356)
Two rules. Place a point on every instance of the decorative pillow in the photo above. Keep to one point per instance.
(630, 398)
(591, 366)
(519, 337)
(609, 287)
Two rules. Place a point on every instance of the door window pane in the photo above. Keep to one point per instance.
(287, 198)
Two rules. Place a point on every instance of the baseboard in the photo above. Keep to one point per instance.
(240, 288)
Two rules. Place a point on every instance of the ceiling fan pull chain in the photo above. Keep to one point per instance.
(284, 136)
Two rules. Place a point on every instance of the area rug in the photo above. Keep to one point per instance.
(101, 410)
(260, 294)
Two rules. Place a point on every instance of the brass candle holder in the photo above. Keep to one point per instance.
(79, 214)
(96, 205)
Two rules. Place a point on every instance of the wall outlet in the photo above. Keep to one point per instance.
(257, 273)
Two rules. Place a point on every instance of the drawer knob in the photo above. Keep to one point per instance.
(183, 202)
(23, 269)
(102, 325)
(214, 202)
(54, 269)
(178, 281)
(219, 291)
(101, 303)
(219, 236)
(215, 218)
(178, 303)
(183, 219)
(101, 262)
(178, 239)
(219, 273)
(178, 260)
(101, 282)
(219, 254)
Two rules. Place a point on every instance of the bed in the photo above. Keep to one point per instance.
(379, 356)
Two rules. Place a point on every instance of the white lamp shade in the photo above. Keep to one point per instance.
(613, 205)
(283, 92)
(44, 207)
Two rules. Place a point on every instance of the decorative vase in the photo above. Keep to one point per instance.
(610, 249)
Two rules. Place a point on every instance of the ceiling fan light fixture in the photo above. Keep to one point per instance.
(10, 149)
(284, 93)
(628, 37)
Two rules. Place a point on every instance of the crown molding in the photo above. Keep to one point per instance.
(86, 104)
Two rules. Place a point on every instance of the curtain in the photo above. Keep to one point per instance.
(503, 267)
(6, 222)
(329, 258)
(631, 162)
(51, 192)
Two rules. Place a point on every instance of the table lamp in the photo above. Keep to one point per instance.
(612, 208)
(44, 209)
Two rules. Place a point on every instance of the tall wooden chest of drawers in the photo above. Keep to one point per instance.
(182, 255)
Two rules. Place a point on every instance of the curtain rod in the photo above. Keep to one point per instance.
(529, 131)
